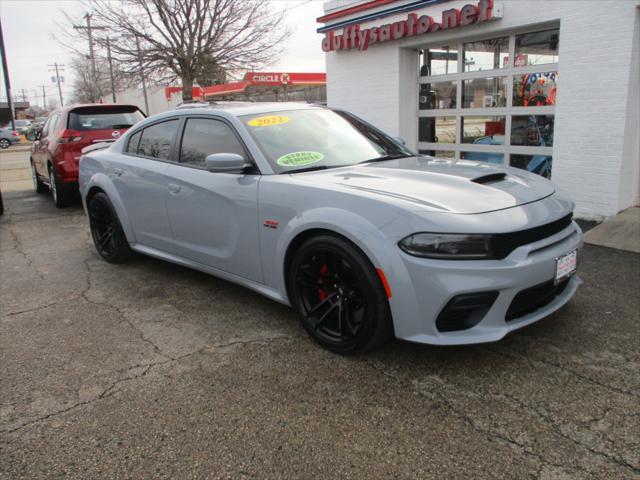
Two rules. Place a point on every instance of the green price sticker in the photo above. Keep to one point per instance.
(296, 159)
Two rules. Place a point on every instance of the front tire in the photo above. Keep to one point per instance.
(106, 231)
(4, 143)
(339, 296)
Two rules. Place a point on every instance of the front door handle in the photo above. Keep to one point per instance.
(117, 172)
(173, 188)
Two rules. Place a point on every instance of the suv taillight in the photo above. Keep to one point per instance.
(15, 133)
(70, 136)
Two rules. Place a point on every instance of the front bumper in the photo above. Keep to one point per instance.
(436, 282)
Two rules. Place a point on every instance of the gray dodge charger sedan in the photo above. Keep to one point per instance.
(319, 210)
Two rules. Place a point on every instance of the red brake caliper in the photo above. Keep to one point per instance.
(324, 271)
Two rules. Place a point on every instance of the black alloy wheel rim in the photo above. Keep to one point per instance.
(103, 228)
(331, 295)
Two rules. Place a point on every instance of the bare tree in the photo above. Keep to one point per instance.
(197, 41)
(86, 89)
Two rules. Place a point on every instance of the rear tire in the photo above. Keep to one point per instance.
(106, 230)
(59, 192)
(4, 143)
(38, 184)
(339, 295)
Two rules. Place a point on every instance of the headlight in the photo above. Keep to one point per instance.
(447, 246)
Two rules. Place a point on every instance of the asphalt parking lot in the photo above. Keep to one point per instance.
(149, 370)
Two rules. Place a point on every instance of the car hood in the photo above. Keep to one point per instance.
(437, 185)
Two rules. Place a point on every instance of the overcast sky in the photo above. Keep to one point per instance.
(29, 27)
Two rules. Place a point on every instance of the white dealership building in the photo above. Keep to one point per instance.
(549, 86)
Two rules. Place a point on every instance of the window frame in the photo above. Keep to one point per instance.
(142, 128)
(255, 170)
(509, 72)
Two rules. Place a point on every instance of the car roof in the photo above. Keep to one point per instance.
(250, 108)
(68, 108)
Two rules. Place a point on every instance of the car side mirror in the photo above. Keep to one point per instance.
(225, 163)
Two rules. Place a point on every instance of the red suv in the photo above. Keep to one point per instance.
(58, 147)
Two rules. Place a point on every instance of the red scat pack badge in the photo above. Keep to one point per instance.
(271, 224)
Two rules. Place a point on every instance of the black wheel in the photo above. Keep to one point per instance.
(106, 230)
(38, 184)
(60, 194)
(4, 143)
(339, 295)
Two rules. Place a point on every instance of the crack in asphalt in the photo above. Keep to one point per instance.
(488, 432)
(84, 295)
(146, 368)
(556, 428)
(531, 361)
(18, 247)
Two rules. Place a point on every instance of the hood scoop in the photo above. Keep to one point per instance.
(491, 178)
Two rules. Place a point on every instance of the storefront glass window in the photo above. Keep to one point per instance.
(486, 54)
(489, 157)
(483, 130)
(437, 129)
(535, 89)
(532, 130)
(438, 153)
(484, 93)
(439, 61)
(537, 48)
(540, 164)
(438, 95)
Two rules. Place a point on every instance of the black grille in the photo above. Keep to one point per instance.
(505, 243)
(531, 299)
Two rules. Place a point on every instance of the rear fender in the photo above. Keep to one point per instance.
(104, 183)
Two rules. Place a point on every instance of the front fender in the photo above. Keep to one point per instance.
(103, 182)
(381, 251)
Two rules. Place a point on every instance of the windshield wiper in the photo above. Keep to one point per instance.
(386, 157)
(309, 169)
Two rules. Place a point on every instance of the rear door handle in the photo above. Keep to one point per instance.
(173, 188)
(117, 172)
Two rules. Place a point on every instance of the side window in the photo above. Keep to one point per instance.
(45, 128)
(132, 146)
(157, 140)
(203, 137)
(53, 128)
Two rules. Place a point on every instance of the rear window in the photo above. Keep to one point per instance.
(104, 118)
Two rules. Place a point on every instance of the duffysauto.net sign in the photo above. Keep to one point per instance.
(353, 36)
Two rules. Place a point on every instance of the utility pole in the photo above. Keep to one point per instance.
(55, 67)
(89, 28)
(144, 85)
(24, 95)
(44, 97)
(109, 59)
(7, 83)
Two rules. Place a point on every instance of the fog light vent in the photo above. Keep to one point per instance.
(465, 311)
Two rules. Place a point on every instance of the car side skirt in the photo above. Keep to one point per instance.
(268, 292)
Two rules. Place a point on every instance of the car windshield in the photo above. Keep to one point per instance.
(301, 140)
(21, 123)
(104, 118)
